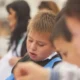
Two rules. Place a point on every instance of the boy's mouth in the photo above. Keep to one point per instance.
(32, 55)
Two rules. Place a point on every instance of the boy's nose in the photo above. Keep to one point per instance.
(33, 47)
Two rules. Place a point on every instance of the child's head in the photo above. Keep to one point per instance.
(72, 11)
(62, 40)
(49, 5)
(39, 40)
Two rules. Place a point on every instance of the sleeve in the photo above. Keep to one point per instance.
(65, 71)
(5, 68)
(54, 75)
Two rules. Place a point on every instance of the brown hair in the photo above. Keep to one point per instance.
(43, 22)
(61, 30)
(72, 8)
(50, 5)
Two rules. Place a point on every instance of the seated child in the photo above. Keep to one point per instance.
(62, 41)
(39, 41)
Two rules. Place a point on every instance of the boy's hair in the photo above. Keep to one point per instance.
(61, 30)
(43, 22)
(49, 5)
(72, 8)
(59, 15)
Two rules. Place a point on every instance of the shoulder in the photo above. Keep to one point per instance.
(25, 58)
(66, 71)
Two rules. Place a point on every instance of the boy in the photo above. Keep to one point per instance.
(72, 12)
(39, 40)
(62, 40)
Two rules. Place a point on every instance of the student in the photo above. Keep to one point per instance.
(72, 13)
(18, 20)
(40, 47)
(62, 40)
(49, 5)
(19, 14)
(39, 41)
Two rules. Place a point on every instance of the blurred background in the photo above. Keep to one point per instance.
(4, 26)
(33, 4)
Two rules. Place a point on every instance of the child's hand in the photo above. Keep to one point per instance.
(30, 71)
(14, 60)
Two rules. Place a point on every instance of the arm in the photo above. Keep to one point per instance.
(14, 60)
(31, 71)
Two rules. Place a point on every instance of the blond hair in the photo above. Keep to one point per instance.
(49, 5)
(43, 22)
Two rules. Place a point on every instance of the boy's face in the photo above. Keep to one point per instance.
(38, 45)
(67, 51)
(74, 27)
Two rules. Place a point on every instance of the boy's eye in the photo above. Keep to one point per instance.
(30, 40)
(41, 44)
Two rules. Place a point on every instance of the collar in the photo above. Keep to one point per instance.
(52, 55)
